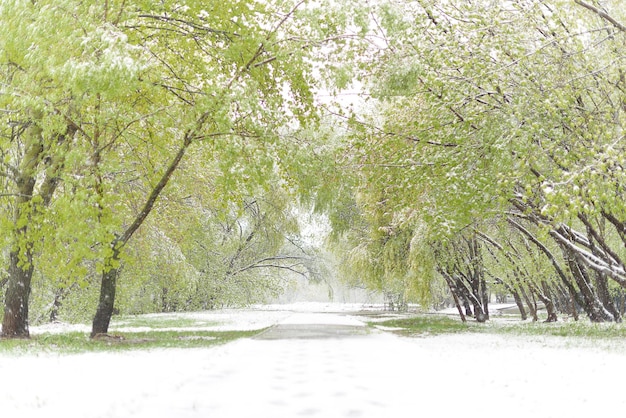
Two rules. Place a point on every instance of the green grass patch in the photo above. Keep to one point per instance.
(129, 332)
(78, 342)
(582, 328)
(426, 325)
(423, 325)
(157, 321)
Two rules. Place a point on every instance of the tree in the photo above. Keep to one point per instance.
(38, 132)
(491, 110)
(461, 263)
(130, 88)
(260, 64)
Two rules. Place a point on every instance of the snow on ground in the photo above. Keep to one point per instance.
(376, 375)
(255, 318)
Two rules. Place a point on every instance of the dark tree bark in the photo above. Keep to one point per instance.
(463, 264)
(561, 272)
(591, 304)
(619, 303)
(516, 296)
(454, 291)
(517, 273)
(605, 297)
(467, 307)
(484, 296)
(531, 304)
(15, 323)
(547, 300)
(520, 304)
(514, 289)
(573, 307)
(106, 304)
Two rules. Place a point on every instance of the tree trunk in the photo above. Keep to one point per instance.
(458, 307)
(479, 313)
(520, 304)
(559, 270)
(15, 323)
(512, 289)
(547, 300)
(454, 291)
(484, 297)
(530, 304)
(605, 296)
(59, 295)
(592, 305)
(106, 304)
(467, 307)
(102, 318)
(569, 300)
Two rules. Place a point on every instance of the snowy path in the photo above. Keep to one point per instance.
(365, 375)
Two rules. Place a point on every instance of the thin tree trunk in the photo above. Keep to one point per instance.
(516, 272)
(572, 304)
(453, 290)
(520, 304)
(484, 293)
(592, 305)
(458, 307)
(605, 297)
(516, 289)
(106, 304)
(516, 296)
(467, 307)
(59, 295)
(557, 267)
(547, 300)
(104, 312)
(531, 306)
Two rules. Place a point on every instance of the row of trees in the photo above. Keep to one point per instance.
(157, 150)
(493, 158)
(114, 111)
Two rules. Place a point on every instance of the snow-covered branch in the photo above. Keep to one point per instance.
(599, 265)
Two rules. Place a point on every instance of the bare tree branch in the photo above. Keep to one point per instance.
(604, 15)
(279, 266)
(260, 264)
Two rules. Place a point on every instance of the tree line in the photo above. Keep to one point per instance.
(152, 154)
(492, 161)
(153, 132)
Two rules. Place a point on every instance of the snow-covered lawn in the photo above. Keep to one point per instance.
(376, 375)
